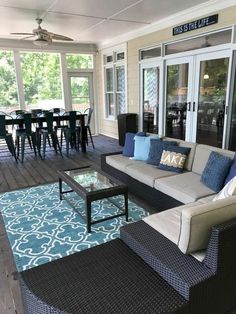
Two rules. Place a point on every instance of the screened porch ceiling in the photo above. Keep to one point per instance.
(87, 21)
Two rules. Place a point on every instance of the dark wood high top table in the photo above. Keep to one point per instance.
(19, 120)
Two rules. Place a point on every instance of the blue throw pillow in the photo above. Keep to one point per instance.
(232, 171)
(128, 149)
(156, 149)
(215, 171)
(173, 158)
(142, 147)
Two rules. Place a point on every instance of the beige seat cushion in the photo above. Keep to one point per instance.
(185, 187)
(199, 255)
(189, 162)
(197, 221)
(206, 199)
(168, 222)
(146, 173)
(120, 162)
(202, 154)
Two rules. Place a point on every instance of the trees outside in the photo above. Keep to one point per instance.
(8, 87)
(41, 74)
(80, 93)
(77, 61)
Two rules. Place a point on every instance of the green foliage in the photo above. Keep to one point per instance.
(76, 61)
(41, 76)
(8, 89)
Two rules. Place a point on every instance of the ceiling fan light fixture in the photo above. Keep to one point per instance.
(41, 42)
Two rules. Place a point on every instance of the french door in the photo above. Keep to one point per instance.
(81, 93)
(196, 98)
(151, 85)
(179, 89)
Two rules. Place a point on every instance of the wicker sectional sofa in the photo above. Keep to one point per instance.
(181, 260)
(164, 189)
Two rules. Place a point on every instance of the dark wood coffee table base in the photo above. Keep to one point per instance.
(92, 196)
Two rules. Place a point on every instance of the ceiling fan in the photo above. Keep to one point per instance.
(42, 36)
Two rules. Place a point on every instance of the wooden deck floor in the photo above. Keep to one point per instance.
(33, 172)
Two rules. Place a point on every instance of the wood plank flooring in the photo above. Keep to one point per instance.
(32, 172)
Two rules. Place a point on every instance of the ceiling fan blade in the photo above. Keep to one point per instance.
(60, 37)
(23, 34)
(27, 37)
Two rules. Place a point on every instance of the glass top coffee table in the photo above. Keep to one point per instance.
(92, 185)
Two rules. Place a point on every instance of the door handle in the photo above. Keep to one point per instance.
(194, 106)
(189, 106)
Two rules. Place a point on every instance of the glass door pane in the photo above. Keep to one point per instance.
(80, 93)
(110, 105)
(211, 101)
(150, 99)
(176, 100)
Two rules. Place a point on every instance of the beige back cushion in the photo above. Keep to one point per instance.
(202, 154)
(189, 162)
(197, 221)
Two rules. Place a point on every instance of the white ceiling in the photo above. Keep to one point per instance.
(87, 21)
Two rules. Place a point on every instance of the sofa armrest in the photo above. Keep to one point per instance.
(103, 156)
(221, 249)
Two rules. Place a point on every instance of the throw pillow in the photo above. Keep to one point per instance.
(128, 149)
(232, 171)
(142, 146)
(215, 171)
(228, 190)
(173, 158)
(156, 149)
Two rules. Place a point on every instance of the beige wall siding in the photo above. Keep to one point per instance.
(227, 17)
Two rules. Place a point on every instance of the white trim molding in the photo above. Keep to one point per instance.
(185, 15)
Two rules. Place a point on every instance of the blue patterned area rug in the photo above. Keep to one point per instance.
(41, 228)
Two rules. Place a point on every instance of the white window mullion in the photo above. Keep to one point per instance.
(115, 91)
(19, 80)
(65, 83)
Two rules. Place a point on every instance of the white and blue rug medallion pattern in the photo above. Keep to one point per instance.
(41, 228)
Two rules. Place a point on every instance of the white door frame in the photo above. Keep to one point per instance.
(203, 57)
(193, 89)
(147, 64)
(182, 60)
(90, 76)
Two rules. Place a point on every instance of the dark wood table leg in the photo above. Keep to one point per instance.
(126, 206)
(83, 134)
(88, 215)
(60, 189)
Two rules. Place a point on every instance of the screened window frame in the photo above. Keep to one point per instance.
(114, 66)
(63, 70)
